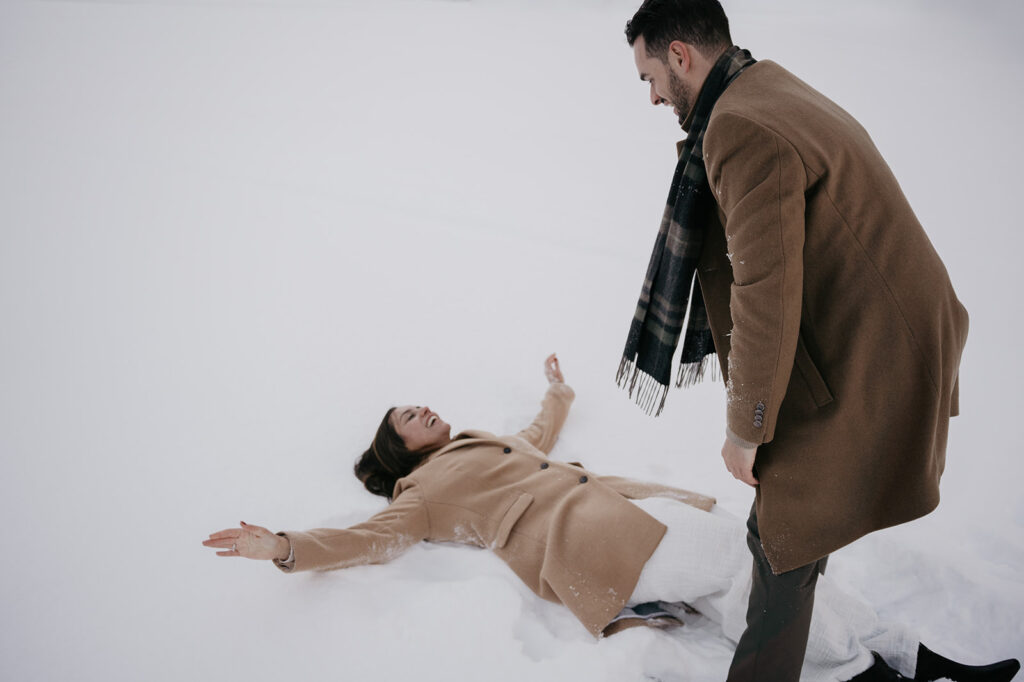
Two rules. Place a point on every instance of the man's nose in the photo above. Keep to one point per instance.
(655, 99)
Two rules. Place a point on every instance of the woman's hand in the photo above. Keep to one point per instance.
(251, 542)
(551, 370)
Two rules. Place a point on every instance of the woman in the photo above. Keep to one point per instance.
(597, 544)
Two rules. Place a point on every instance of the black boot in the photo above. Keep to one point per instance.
(931, 666)
(879, 672)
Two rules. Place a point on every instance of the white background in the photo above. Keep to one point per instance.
(232, 234)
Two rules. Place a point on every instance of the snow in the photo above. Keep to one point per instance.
(233, 233)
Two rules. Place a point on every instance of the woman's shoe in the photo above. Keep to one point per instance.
(879, 672)
(931, 666)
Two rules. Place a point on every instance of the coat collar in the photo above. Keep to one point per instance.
(466, 438)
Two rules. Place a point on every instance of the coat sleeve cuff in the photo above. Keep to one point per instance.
(288, 565)
(739, 441)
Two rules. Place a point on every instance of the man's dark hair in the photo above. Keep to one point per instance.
(701, 23)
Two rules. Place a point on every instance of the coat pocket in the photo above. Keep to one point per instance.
(812, 377)
(510, 518)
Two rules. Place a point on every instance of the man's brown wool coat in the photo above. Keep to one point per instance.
(834, 319)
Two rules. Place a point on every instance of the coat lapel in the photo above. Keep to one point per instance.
(468, 438)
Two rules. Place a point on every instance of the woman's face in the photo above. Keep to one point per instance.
(420, 429)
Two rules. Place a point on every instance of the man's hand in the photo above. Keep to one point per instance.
(739, 461)
(251, 542)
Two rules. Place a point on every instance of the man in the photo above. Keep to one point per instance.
(833, 318)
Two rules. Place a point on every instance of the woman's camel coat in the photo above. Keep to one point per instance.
(571, 536)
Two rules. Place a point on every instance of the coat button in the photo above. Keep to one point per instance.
(507, 450)
(760, 406)
(544, 465)
(757, 423)
(583, 479)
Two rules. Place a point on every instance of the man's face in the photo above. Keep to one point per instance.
(667, 87)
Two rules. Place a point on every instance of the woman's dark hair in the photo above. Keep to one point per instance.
(386, 460)
(701, 23)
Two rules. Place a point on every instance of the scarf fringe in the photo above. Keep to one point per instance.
(650, 393)
(691, 373)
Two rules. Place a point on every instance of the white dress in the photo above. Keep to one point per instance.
(703, 561)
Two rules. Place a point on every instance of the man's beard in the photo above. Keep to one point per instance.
(680, 95)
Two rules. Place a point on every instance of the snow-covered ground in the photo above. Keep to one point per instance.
(233, 233)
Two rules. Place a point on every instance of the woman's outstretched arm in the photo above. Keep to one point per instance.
(543, 432)
(377, 540)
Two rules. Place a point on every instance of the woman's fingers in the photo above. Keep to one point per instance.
(225, 539)
(259, 531)
(229, 533)
(551, 370)
(222, 542)
(557, 370)
(219, 542)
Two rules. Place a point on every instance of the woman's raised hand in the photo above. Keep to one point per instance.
(551, 370)
(251, 542)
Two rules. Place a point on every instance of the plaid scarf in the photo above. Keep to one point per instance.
(658, 319)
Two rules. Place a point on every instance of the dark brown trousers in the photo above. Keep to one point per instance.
(778, 618)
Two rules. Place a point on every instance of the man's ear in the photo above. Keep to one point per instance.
(679, 55)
